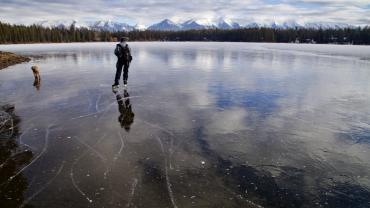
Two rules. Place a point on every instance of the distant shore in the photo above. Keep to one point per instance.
(8, 59)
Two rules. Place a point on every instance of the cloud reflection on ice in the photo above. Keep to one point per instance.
(215, 124)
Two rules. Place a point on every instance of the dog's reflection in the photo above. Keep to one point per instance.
(126, 117)
(37, 84)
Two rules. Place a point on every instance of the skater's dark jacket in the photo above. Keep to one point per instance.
(126, 57)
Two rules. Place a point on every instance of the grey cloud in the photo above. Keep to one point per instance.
(150, 11)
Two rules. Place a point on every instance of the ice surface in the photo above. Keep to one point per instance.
(200, 124)
(339, 51)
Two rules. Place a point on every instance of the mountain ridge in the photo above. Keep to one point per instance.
(192, 24)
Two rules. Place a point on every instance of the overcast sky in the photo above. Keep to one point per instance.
(147, 12)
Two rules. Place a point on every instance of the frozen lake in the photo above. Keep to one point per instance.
(200, 125)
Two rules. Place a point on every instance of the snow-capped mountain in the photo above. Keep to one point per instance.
(291, 24)
(61, 24)
(274, 25)
(227, 24)
(110, 26)
(101, 25)
(166, 25)
(140, 27)
(323, 25)
(196, 25)
(193, 24)
(253, 25)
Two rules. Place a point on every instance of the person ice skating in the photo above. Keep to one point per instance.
(123, 53)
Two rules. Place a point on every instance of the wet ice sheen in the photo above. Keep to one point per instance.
(200, 125)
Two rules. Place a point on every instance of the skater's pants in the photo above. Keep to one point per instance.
(119, 65)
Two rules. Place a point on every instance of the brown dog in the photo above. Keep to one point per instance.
(36, 74)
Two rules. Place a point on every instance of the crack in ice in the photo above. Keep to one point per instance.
(44, 187)
(38, 156)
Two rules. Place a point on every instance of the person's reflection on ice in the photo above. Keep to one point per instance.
(126, 117)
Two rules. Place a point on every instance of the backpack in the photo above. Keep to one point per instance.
(123, 52)
(117, 51)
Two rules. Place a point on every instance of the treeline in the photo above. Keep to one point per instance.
(359, 36)
(36, 34)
